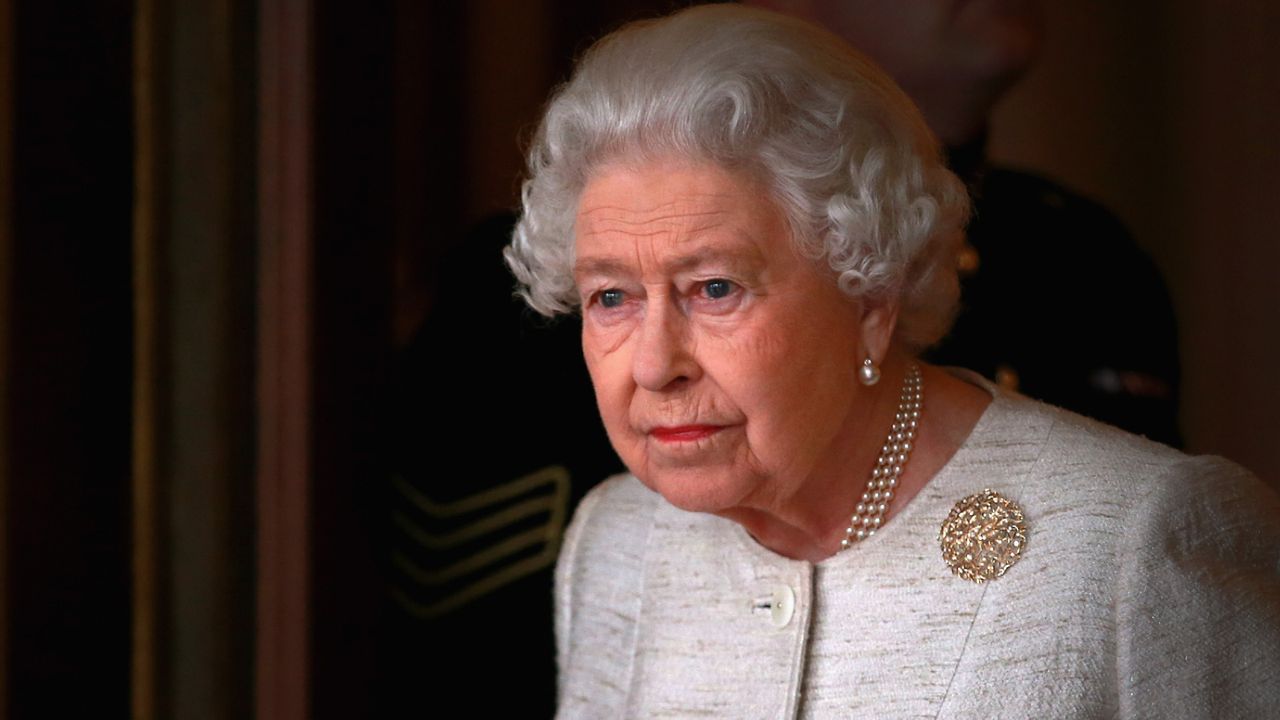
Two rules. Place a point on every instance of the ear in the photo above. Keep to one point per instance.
(879, 320)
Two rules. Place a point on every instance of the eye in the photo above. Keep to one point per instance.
(717, 288)
(610, 298)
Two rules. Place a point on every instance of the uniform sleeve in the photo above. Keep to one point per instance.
(1198, 608)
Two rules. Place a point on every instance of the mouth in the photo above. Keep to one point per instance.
(684, 433)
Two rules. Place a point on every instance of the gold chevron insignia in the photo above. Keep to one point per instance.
(478, 538)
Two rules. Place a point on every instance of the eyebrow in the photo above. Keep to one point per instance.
(606, 265)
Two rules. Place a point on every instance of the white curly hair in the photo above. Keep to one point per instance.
(846, 154)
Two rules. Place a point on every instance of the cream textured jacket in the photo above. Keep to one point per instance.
(1150, 587)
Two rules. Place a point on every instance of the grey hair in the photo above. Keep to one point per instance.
(846, 154)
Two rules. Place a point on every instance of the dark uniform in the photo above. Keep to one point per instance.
(497, 439)
(1061, 304)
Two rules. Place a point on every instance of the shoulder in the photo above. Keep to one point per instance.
(1078, 466)
(1180, 554)
(1203, 530)
(607, 534)
(1082, 456)
(1198, 597)
(1088, 485)
(598, 586)
(1166, 507)
(1170, 503)
(615, 511)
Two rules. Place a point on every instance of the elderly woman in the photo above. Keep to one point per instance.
(761, 237)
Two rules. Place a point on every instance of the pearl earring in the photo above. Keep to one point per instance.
(869, 373)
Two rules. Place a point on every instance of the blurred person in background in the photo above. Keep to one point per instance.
(1059, 302)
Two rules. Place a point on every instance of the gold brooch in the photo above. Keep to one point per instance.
(983, 536)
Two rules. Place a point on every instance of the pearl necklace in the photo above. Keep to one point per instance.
(869, 513)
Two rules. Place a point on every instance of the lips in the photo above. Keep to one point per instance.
(684, 433)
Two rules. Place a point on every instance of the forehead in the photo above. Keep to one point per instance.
(671, 212)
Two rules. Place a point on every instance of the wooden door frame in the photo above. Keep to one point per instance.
(6, 229)
(284, 351)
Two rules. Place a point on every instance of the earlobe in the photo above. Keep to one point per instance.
(869, 372)
(879, 320)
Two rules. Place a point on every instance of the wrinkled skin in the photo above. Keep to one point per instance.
(698, 314)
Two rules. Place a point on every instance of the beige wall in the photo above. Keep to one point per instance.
(1169, 113)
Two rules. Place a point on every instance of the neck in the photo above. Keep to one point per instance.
(810, 524)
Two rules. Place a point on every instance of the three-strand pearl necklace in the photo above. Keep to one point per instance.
(868, 515)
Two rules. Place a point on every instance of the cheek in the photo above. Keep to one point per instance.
(757, 342)
(789, 384)
(763, 348)
(755, 371)
(611, 379)
(778, 356)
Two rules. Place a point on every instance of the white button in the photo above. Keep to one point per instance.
(783, 607)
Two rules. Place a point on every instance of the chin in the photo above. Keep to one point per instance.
(694, 489)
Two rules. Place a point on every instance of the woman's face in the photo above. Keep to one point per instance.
(724, 364)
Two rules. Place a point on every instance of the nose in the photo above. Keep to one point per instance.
(664, 356)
